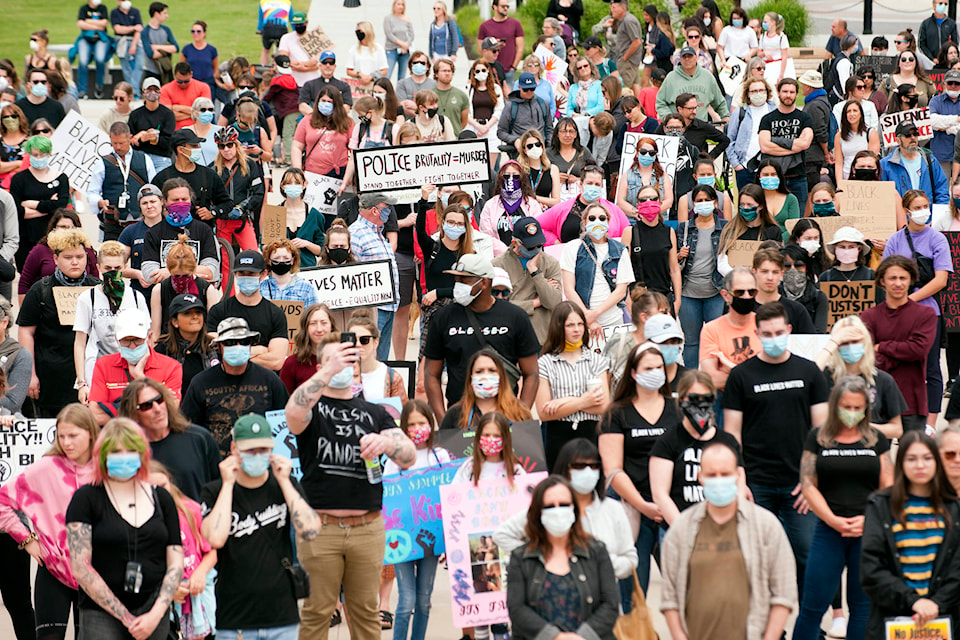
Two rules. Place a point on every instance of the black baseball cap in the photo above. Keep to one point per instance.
(249, 260)
(527, 230)
(184, 302)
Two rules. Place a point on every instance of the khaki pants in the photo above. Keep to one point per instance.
(629, 73)
(351, 557)
(289, 128)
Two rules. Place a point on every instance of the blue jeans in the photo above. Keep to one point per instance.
(647, 547)
(798, 187)
(694, 313)
(289, 632)
(84, 51)
(160, 162)
(414, 588)
(829, 554)
(398, 60)
(799, 528)
(132, 68)
(744, 177)
(385, 325)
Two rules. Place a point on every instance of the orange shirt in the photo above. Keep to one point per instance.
(173, 94)
(735, 343)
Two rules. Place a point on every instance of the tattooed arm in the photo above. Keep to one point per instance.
(300, 405)
(392, 442)
(80, 544)
(216, 524)
(143, 626)
(304, 518)
(808, 483)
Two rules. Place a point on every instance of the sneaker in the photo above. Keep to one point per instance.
(98, 93)
(81, 96)
(838, 628)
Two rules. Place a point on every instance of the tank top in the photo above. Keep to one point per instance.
(655, 245)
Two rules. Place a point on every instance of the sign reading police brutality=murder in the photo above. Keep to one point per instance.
(357, 284)
(412, 166)
(23, 443)
(77, 148)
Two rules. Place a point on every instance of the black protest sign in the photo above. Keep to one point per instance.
(950, 295)
(527, 444)
(848, 298)
(357, 284)
(882, 65)
(414, 165)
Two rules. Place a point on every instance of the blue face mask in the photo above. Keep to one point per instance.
(748, 213)
(178, 214)
(293, 191)
(39, 90)
(254, 464)
(707, 180)
(384, 214)
(775, 346)
(670, 352)
(592, 192)
(737, 22)
(134, 355)
(720, 491)
(39, 163)
(444, 198)
(205, 117)
(770, 182)
(956, 202)
(704, 209)
(453, 232)
(342, 379)
(237, 355)
(529, 254)
(325, 108)
(418, 68)
(123, 466)
(248, 285)
(852, 353)
(646, 161)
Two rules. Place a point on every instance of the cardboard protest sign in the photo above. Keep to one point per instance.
(668, 148)
(23, 443)
(889, 122)
(77, 147)
(321, 193)
(950, 295)
(477, 566)
(273, 223)
(600, 344)
(740, 253)
(356, 284)
(904, 628)
(412, 513)
(292, 310)
(527, 444)
(358, 89)
(936, 77)
(414, 165)
(66, 300)
(848, 298)
(315, 42)
(869, 207)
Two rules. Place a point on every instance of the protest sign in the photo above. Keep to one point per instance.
(315, 42)
(554, 67)
(292, 310)
(668, 148)
(66, 300)
(599, 344)
(358, 89)
(77, 148)
(869, 207)
(882, 65)
(414, 165)
(920, 117)
(284, 442)
(23, 443)
(740, 253)
(807, 345)
(936, 77)
(412, 513)
(527, 444)
(477, 566)
(321, 193)
(848, 298)
(273, 223)
(904, 628)
(357, 284)
(731, 73)
(950, 294)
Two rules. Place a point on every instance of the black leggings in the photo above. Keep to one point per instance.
(54, 600)
(15, 587)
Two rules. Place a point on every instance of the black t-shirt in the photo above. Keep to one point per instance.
(216, 399)
(49, 109)
(253, 589)
(265, 317)
(334, 474)
(775, 400)
(87, 12)
(788, 126)
(886, 401)
(192, 456)
(847, 473)
(161, 119)
(800, 320)
(208, 189)
(505, 326)
(639, 439)
(655, 244)
(115, 542)
(162, 236)
(683, 450)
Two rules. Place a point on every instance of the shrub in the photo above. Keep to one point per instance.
(726, 6)
(795, 17)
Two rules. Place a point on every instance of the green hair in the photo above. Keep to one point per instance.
(120, 433)
(40, 143)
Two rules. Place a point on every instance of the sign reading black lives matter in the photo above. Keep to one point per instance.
(414, 165)
(358, 284)
(23, 443)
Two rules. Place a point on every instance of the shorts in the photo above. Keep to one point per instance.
(407, 271)
(629, 73)
(271, 34)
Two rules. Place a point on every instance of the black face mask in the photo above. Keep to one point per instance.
(698, 408)
(911, 100)
(865, 174)
(431, 113)
(300, 28)
(360, 35)
(281, 268)
(743, 306)
(338, 255)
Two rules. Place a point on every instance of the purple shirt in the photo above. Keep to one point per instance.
(508, 31)
(930, 243)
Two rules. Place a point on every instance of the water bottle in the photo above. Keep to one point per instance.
(374, 472)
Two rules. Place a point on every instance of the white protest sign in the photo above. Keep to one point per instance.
(77, 148)
(554, 67)
(920, 117)
(357, 284)
(668, 148)
(412, 166)
(23, 443)
(807, 345)
(321, 192)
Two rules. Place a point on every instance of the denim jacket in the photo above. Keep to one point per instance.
(691, 241)
(586, 268)
(635, 183)
(739, 131)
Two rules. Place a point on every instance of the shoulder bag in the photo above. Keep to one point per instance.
(512, 370)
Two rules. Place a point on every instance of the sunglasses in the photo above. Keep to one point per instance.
(512, 175)
(329, 63)
(38, 82)
(228, 145)
(953, 84)
(146, 406)
(646, 152)
(15, 116)
(184, 83)
(909, 134)
(693, 36)
(744, 293)
(861, 87)
(949, 455)
(365, 340)
(533, 145)
(649, 199)
(42, 131)
(196, 30)
(119, 98)
(908, 59)
(241, 87)
(869, 76)
(585, 465)
(501, 293)
(205, 109)
(583, 66)
(902, 41)
(238, 342)
(592, 218)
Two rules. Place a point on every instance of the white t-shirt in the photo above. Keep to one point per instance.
(290, 42)
(364, 60)
(488, 471)
(425, 458)
(737, 42)
(772, 45)
(375, 384)
(870, 116)
(756, 113)
(94, 319)
(568, 262)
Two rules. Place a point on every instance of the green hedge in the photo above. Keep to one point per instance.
(726, 6)
(795, 17)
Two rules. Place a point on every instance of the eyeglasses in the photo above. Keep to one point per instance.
(38, 132)
(501, 293)
(672, 129)
(585, 465)
(329, 63)
(131, 343)
(237, 342)
(646, 152)
(365, 340)
(949, 455)
(146, 406)
(205, 109)
(744, 293)
(601, 218)
(533, 145)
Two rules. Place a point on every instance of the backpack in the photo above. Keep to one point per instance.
(387, 131)
(831, 79)
(515, 107)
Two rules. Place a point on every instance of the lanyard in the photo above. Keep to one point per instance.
(124, 169)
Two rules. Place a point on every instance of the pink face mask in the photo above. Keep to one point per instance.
(419, 434)
(847, 256)
(491, 445)
(649, 210)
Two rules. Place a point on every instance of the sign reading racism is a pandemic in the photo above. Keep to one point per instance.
(412, 166)
(357, 284)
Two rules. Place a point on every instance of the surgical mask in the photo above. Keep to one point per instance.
(706, 22)
(865, 174)
(941, 8)
(39, 90)
(707, 180)
(360, 35)
(236, 355)
(485, 385)
(824, 208)
(463, 294)
(770, 183)
(597, 230)
(765, 27)
(342, 379)
(953, 95)
(205, 117)
(453, 232)
(649, 210)
(743, 306)
(847, 256)
(248, 285)
(748, 213)
(529, 254)
(325, 108)
(534, 153)
(39, 163)
(737, 22)
(135, 354)
(195, 155)
(419, 434)
(34, 45)
(481, 76)
(254, 464)
(720, 491)
(10, 123)
(281, 268)
(338, 255)
(704, 209)
(592, 192)
(811, 246)
(852, 352)
(671, 353)
(419, 69)
(584, 481)
(651, 380)
(558, 520)
(125, 5)
(300, 29)
(491, 445)
(444, 198)
(646, 160)
(758, 99)
(775, 346)
(699, 412)
(850, 418)
(123, 466)
(920, 216)
(178, 214)
(293, 191)
(95, 3)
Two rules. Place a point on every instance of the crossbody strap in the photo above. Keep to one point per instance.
(475, 323)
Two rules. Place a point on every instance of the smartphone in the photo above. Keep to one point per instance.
(348, 336)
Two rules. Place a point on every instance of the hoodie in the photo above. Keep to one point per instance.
(530, 114)
(702, 84)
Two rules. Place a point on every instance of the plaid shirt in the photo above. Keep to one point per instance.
(368, 243)
(298, 289)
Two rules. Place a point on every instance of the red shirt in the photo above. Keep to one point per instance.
(111, 375)
(294, 373)
(173, 94)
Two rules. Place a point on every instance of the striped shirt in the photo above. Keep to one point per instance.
(570, 380)
(918, 540)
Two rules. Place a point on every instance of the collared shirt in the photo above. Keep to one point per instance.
(296, 289)
(111, 375)
(368, 243)
(570, 380)
(94, 194)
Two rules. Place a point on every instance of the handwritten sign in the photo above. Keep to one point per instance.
(358, 89)
(882, 65)
(906, 629)
(870, 207)
(412, 166)
(950, 294)
(315, 42)
(66, 300)
(77, 147)
(936, 77)
(273, 223)
(477, 566)
(411, 512)
(920, 117)
(358, 284)
(526, 437)
(292, 310)
(321, 193)
(740, 253)
(23, 443)
(668, 148)
(284, 442)
(848, 299)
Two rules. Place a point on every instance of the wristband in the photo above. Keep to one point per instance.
(26, 541)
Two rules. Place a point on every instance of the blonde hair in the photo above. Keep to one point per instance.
(409, 128)
(112, 249)
(60, 240)
(868, 363)
(369, 36)
(247, 110)
(79, 415)
(524, 161)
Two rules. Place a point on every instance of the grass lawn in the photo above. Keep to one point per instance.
(231, 26)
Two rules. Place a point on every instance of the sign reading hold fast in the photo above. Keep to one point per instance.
(412, 166)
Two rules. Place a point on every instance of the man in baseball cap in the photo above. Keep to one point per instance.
(946, 104)
(152, 124)
(489, 52)
(211, 199)
(930, 179)
(664, 330)
(310, 89)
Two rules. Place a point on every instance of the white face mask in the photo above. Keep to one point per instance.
(758, 99)
(584, 481)
(125, 5)
(557, 520)
(535, 153)
(811, 246)
(34, 45)
(481, 76)
(920, 216)
(463, 293)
